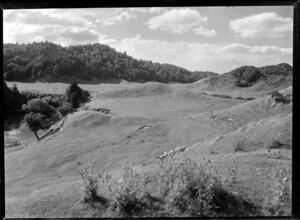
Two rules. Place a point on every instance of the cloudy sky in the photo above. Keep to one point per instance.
(197, 38)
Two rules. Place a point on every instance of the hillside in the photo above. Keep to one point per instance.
(146, 120)
(91, 63)
(248, 81)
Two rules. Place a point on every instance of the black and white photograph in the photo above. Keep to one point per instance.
(138, 112)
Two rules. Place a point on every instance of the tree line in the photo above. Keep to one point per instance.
(53, 63)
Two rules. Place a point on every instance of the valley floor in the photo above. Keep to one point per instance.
(146, 120)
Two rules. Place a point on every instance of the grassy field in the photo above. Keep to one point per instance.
(147, 119)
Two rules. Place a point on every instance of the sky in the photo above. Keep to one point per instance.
(215, 39)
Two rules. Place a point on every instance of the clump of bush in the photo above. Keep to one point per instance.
(252, 74)
(180, 187)
(36, 122)
(90, 185)
(38, 105)
(247, 98)
(279, 97)
(239, 145)
(222, 96)
(65, 109)
(242, 83)
(279, 187)
(247, 76)
(75, 95)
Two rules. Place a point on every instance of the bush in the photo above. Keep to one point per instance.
(242, 83)
(38, 106)
(35, 122)
(90, 185)
(55, 102)
(222, 96)
(179, 187)
(239, 145)
(80, 97)
(74, 100)
(252, 74)
(65, 109)
(85, 96)
(126, 196)
(73, 88)
(280, 188)
(279, 97)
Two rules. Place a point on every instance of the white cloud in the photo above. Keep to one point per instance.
(46, 17)
(200, 56)
(177, 20)
(155, 10)
(267, 24)
(119, 18)
(24, 33)
(140, 10)
(242, 48)
(205, 31)
(51, 24)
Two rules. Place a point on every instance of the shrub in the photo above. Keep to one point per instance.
(222, 96)
(73, 88)
(242, 83)
(81, 95)
(126, 197)
(179, 187)
(279, 187)
(38, 106)
(74, 100)
(65, 109)
(85, 96)
(90, 185)
(239, 144)
(35, 122)
(252, 74)
(279, 97)
(55, 102)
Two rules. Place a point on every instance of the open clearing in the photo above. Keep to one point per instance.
(145, 120)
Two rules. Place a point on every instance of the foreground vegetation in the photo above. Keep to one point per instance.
(178, 187)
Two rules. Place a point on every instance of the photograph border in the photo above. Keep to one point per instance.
(6, 4)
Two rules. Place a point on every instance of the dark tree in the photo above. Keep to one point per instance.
(73, 88)
(13, 99)
(75, 95)
(74, 100)
(35, 122)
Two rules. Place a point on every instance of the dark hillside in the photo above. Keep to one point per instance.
(248, 76)
(50, 62)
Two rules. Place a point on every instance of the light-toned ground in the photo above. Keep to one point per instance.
(42, 179)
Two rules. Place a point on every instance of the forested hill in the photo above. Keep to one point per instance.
(53, 63)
